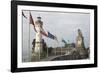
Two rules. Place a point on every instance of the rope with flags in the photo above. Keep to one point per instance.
(31, 21)
(24, 15)
(45, 33)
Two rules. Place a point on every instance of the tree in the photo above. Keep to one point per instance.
(50, 50)
(44, 47)
(33, 43)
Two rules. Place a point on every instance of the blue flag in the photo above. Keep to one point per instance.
(49, 35)
(64, 41)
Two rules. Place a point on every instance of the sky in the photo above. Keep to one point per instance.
(62, 24)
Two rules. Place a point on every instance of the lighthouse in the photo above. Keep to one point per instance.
(38, 37)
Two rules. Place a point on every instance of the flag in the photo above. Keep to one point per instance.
(23, 14)
(64, 41)
(49, 35)
(32, 22)
(44, 33)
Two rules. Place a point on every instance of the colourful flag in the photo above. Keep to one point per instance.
(32, 21)
(49, 35)
(23, 14)
(44, 33)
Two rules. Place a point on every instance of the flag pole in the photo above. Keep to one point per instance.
(22, 36)
(29, 39)
(47, 52)
(55, 52)
(56, 44)
(61, 51)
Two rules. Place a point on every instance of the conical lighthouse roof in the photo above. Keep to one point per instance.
(39, 21)
(39, 17)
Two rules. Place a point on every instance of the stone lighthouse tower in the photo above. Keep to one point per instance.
(38, 38)
(80, 45)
